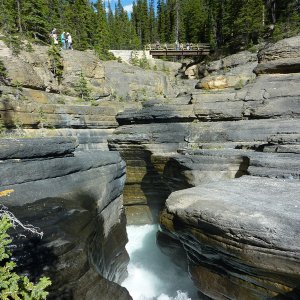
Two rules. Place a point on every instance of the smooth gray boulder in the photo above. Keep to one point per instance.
(158, 113)
(195, 167)
(281, 57)
(35, 147)
(241, 236)
(76, 200)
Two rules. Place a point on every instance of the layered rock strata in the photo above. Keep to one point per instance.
(75, 198)
(250, 132)
(240, 243)
(33, 102)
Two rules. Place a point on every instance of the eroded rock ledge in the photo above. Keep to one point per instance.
(241, 236)
(223, 133)
(75, 198)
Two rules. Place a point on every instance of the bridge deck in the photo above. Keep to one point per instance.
(170, 50)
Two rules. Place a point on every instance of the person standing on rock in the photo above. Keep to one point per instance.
(54, 36)
(69, 39)
(63, 41)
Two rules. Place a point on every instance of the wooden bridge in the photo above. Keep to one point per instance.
(171, 50)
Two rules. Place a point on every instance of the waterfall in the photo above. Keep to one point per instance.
(152, 275)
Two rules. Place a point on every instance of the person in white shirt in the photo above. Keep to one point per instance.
(69, 39)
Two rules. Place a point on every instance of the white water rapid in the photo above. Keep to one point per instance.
(152, 275)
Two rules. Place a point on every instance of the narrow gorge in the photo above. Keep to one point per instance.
(208, 151)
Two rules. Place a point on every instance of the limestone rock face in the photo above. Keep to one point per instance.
(130, 82)
(241, 236)
(172, 137)
(33, 70)
(145, 190)
(233, 71)
(281, 57)
(75, 198)
(238, 144)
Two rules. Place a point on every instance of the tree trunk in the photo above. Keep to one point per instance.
(19, 16)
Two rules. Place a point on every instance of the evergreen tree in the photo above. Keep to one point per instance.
(101, 27)
(194, 18)
(33, 18)
(79, 16)
(226, 24)
(12, 285)
(55, 16)
(82, 88)
(287, 17)
(161, 21)
(8, 16)
(249, 22)
(152, 22)
(111, 25)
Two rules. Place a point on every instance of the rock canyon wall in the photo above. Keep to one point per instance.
(224, 151)
(236, 145)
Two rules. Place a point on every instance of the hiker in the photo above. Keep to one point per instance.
(69, 39)
(176, 45)
(54, 36)
(157, 45)
(63, 41)
(53, 32)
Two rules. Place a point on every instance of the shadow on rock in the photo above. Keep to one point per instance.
(293, 295)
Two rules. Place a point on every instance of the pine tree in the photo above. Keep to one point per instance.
(249, 22)
(152, 22)
(82, 88)
(287, 15)
(55, 14)
(33, 18)
(161, 21)
(79, 16)
(8, 16)
(56, 63)
(111, 26)
(101, 27)
(194, 18)
(13, 286)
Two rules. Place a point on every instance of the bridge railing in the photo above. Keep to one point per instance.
(185, 47)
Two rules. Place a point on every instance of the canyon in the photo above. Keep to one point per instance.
(208, 150)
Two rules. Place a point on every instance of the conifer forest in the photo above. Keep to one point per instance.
(224, 24)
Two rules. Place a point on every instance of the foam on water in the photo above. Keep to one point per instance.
(152, 275)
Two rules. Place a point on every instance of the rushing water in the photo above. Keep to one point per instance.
(152, 275)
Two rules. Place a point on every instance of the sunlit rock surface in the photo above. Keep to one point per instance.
(247, 135)
(76, 200)
(281, 57)
(233, 71)
(171, 136)
(241, 236)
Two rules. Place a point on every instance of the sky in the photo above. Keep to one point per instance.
(127, 4)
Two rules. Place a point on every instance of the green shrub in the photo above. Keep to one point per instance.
(56, 63)
(2, 127)
(144, 63)
(139, 62)
(82, 88)
(239, 85)
(3, 71)
(61, 100)
(134, 60)
(94, 103)
(12, 285)
(15, 43)
(104, 54)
